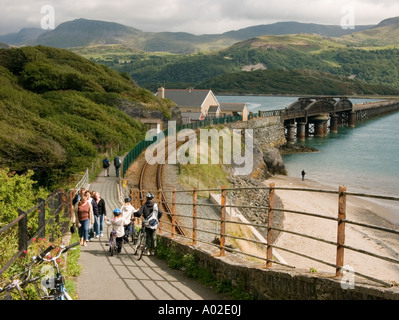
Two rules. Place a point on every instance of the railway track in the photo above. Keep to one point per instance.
(151, 181)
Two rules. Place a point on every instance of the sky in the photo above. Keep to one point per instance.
(193, 16)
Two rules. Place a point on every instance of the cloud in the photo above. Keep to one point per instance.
(194, 16)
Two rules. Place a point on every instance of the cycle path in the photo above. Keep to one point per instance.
(122, 277)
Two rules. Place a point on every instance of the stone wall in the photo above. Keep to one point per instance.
(277, 283)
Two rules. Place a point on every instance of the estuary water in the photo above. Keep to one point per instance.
(364, 158)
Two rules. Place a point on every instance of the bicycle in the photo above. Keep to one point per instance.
(112, 243)
(52, 288)
(54, 284)
(21, 280)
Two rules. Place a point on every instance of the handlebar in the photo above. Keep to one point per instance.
(44, 253)
(42, 256)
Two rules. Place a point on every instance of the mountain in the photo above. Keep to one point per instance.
(60, 112)
(386, 33)
(4, 45)
(83, 32)
(283, 28)
(26, 36)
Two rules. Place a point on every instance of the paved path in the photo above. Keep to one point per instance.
(122, 277)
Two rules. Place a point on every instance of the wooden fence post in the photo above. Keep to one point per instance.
(22, 231)
(42, 218)
(270, 218)
(341, 230)
(159, 206)
(222, 221)
(195, 216)
(173, 213)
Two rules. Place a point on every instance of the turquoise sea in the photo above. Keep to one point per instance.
(364, 158)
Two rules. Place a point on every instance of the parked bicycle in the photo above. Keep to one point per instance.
(53, 283)
(21, 280)
(52, 286)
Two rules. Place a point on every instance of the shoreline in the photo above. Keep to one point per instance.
(358, 209)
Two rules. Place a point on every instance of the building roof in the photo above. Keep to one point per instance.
(213, 109)
(233, 107)
(187, 97)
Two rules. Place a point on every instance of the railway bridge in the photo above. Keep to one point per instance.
(315, 115)
(311, 115)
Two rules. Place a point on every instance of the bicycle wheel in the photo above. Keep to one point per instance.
(112, 245)
(136, 246)
(133, 234)
(139, 248)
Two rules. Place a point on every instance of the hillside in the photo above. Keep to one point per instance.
(59, 112)
(374, 71)
(298, 82)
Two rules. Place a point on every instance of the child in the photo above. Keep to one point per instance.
(117, 226)
(127, 211)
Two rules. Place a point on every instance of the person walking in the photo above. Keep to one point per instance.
(151, 214)
(83, 218)
(78, 196)
(106, 167)
(117, 164)
(102, 211)
(94, 229)
(128, 217)
(303, 175)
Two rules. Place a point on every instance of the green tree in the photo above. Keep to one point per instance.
(17, 191)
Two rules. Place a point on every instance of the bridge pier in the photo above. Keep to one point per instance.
(352, 119)
(290, 133)
(320, 125)
(302, 130)
(334, 123)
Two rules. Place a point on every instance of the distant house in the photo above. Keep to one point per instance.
(234, 109)
(202, 103)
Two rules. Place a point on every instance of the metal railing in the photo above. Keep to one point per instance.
(83, 183)
(269, 245)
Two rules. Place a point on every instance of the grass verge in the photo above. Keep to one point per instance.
(190, 266)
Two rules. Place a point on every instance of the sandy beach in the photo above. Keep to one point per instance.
(358, 209)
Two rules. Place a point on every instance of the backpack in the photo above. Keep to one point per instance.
(117, 162)
(152, 221)
(105, 163)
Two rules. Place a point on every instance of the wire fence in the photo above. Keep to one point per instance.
(268, 253)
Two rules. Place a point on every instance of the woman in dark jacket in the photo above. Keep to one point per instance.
(101, 212)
